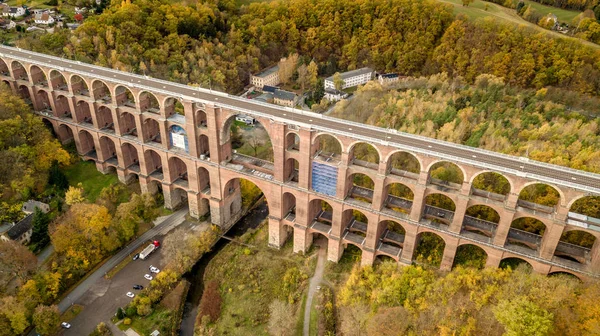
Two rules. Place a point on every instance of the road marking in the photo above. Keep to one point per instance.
(389, 137)
(429, 146)
(521, 167)
(350, 129)
(573, 178)
(474, 156)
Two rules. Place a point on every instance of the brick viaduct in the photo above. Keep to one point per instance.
(182, 146)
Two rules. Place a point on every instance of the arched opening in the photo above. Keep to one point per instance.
(565, 275)
(480, 222)
(321, 213)
(62, 107)
(155, 188)
(289, 206)
(105, 119)
(178, 138)
(404, 164)
(79, 86)
(172, 106)
(291, 170)
(101, 92)
(83, 113)
(429, 249)
(7, 83)
(292, 141)
(439, 209)
(179, 198)
(539, 197)
(19, 71)
(320, 240)
(149, 103)
(355, 225)
(44, 100)
(64, 133)
(516, 264)
(575, 247)
(130, 157)
(399, 198)
(525, 235)
(124, 97)
(203, 147)
(38, 76)
(153, 164)
(364, 155)
(247, 142)
(585, 211)
(24, 94)
(241, 194)
(362, 188)
(87, 146)
(469, 255)
(491, 185)
(201, 120)
(392, 238)
(4, 71)
(383, 259)
(178, 171)
(109, 150)
(58, 81)
(446, 176)
(203, 180)
(127, 124)
(326, 148)
(151, 130)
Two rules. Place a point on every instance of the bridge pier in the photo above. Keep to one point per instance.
(334, 249)
(302, 239)
(278, 233)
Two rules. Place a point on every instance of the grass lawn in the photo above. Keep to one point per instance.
(160, 319)
(41, 4)
(70, 313)
(563, 15)
(93, 181)
(251, 278)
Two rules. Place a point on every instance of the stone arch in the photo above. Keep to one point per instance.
(233, 198)
(203, 179)
(178, 171)
(203, 146)
(124, 96)
(19, 71)
(446, 174)
(576, 245)
(154, 163)
(398, 197)
(255, 136)
(108, 148)
(178, 138)
(104, 118)
(58, 81)
(439, 208)
(25, 94)
(404, 163)
(38, 76)
(291, 170)
(481, 219)
(83, 112)
(63, 109)
(392, 232)
(149, 102)
(127, 124)
(470, 255)
(360, 187)
(289, 206)
(355, 222)
(173, 105)
(548, 196)
(327, 147)
(101, 92)
(565, 273)
(526, 233)
(43, 99)
(320, 213)
(514, 262)
(86, 142)
(585, 205)
(151, 130)
(130, 155)
(4, 71)
(292, 141)
(429, 248)
(64, 133)
(381, 258)
(364, 154)
(79, 86)
(7, 83)
(179, 197)
(491, 185)
(201, 120)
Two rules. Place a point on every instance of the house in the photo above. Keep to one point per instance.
(351, 78)
(388, 78)
(268, 88)
(44, 18)
(21, 231)
(7, 24)
(73, 26)
(80, 10)
(334, 95)
(29, 207)
(269, 76)
(12, 12)
(285, 98)
(245, 119)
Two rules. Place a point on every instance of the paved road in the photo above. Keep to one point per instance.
(314, 282)
(46, 252)
(477, 157)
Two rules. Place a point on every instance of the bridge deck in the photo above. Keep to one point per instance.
(473, 156)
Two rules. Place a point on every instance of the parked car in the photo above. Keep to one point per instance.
(138, 287)
(136, 256)
(147, 276)
(130, 294)
(154, 270)
(65, 325)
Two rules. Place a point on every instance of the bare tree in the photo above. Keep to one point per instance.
(287, 66)
(280, 318)
(15, 261)
(302, 76)
(354, 320)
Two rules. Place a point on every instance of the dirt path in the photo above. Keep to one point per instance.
(314, 282)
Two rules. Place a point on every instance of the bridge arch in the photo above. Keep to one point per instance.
(130, 155)
(203, 179)
(79, 86)
(24, 93)
(398, 197)
(429, 248)
(64, 133)
(4, 70)
(86, 142)
(154, 163)
(7, 83)
(201, 118)
(470, 254)
(526, 232)
(401, 162)
(43, 98)
(58, 81)
(576, 245)
(178, 171)
(63, 108)
(292, 141)
(488, 181)
(203, 146)
(124, 96)
(321, 215)
(178, 138)
(481, 219)
(514, 262)
(19, 71)
(364, 154)
(247, 136)
(392, 233)
(127, 124)
(585, 205)
(439, 208)
(172, 105)
(288, 204)
(566, 274)
(360, 187)
(101, 92)
(151, 131)
(446, 174)
(148, 102)
(544, 194)
(108, 148)
(104, 118)
(38, 76)
(327, 146)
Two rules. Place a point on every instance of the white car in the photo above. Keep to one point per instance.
(65, 325)
(148, 277)
(130, 294)
(154, 270)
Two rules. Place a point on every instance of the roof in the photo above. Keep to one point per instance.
(30, 206)
(43, 16)
(335, 92)
(265, 97)
(284, 95)
(390, 75)
(268, 88)
(13, 10)
(268, 71)
(20, 228)
(352, 73)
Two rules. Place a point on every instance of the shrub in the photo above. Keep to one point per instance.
(130, 311)
(210, 303)
(127, 321)
(120, 313)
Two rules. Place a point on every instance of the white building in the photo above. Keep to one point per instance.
(44, 18)
(12, 12)
(245, 119)
(269, 76)
(388, 78)
(334, 95)
(352, 78)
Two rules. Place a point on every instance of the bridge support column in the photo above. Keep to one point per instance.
(278, 140)
(147, 186)
(367, 257)
(216, 211)
(334, 249)
(449, 253)
(506, 218)
(123, 178)
(459, 214)
(101, 168)
(194, 204)
(416, 211)
(34, 99)
(168, 196)
(302, 239)
(378, 193)
(493, 258)
(408, 248)
(164, 134)
(595, 256)
(277, 233)
(304, 162)
(550, 240)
